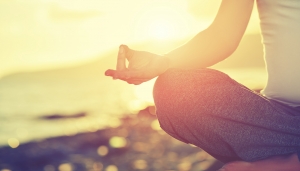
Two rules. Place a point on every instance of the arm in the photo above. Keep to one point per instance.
(218, 41)
(207, 48)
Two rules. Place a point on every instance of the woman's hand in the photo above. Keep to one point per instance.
(142, 67)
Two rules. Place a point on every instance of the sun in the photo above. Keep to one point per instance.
(163, 28)
(162, 23)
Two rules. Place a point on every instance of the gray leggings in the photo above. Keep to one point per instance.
(207, 108)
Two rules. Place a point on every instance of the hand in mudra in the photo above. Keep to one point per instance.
(142, 66)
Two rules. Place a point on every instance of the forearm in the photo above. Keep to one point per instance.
(204, 50)
(218, 41)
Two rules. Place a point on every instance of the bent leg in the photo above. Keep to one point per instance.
(210, 110)
(276, 163)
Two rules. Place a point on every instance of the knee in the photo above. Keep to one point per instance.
(177, 87)
(179, 93)
(168, 87)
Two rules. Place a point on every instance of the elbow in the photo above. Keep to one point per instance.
(227, 48)
(228, 42)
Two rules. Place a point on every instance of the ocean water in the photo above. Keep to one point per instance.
(26, 98)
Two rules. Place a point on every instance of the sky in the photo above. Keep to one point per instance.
(39, 34)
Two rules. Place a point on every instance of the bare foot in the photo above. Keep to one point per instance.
(277, 163)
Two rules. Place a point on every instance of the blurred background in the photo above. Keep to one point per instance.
(52, 86)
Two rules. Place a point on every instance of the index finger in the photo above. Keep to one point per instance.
(121, 61)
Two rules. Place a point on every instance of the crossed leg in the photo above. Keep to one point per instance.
(207, 108)
(276, 163)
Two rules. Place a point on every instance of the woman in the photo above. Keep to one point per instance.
(205, 107)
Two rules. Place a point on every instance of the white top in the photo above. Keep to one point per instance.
(280, 27)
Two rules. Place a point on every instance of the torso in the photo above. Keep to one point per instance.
(280, 27)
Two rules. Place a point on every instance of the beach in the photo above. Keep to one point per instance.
(138, 144)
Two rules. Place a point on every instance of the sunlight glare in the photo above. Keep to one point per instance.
(163, 29)
(13, 142)
(155, 125)
(65, 167)
(162, 23)
(111, 168)
(117, 142)
(144, 92)
(140, 164)
(102, 150)
(136, 105)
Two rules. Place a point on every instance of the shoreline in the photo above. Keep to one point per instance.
(137, 144)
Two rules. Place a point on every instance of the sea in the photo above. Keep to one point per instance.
(38, 105)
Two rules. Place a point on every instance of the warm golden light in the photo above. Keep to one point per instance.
(102, 150)
(55, 33)
(206, 164)
(97, 166)
(184, 166)
(117, 142)
(13, 142)
(114, 122)
(5, 170)
(111, 168)
(140, 147)
(162, 23)
(144, 91)
(155, 125)
(136, 105)
(140, 164)
(65, 167)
